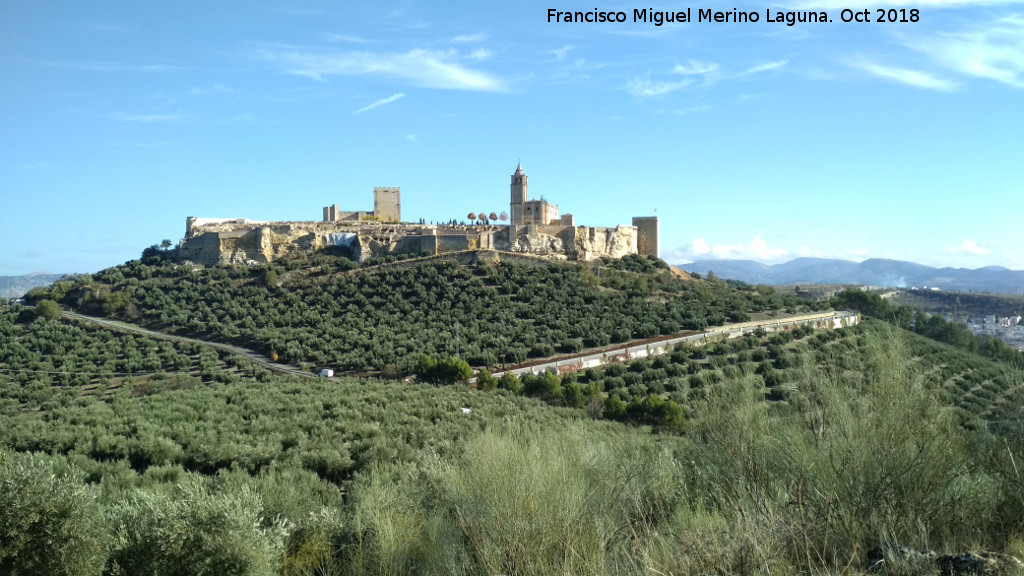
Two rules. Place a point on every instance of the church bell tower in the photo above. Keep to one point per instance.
(518, 196)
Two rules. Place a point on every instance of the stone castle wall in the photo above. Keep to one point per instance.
(212, 242)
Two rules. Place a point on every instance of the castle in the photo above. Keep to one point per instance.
(535, 227)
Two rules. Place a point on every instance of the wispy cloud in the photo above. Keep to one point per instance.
(207, 90)
(914, 78)
(696, 73)
(561, 53)
(411, 138)
(766, 67)
(440, 69)
(113, 67)
(695, 67)
(151, 118)
(380, 102)
(346, 38)
(993, 51)
(468, 38)
(645, 88)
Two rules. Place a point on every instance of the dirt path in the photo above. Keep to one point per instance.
(253, 357)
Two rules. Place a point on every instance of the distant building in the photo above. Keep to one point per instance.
(536, 228)
(525, 211)
(387, 207)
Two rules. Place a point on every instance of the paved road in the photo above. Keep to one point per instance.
(243, 352)
(631, 350)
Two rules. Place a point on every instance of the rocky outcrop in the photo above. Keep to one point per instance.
(899, 558)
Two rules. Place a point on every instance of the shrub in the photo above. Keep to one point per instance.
(192, 531)
(50, 522)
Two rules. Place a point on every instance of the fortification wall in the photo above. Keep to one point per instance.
(237, 241)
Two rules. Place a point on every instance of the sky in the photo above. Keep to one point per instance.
(753, 140)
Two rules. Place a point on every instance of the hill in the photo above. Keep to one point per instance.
(327, 313)
(348, 474)
(872, 272)
(789, 452)
(18, 286)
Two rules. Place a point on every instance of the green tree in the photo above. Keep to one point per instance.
(510, 382)
(48, 310)
(195, 532)
(485, 380)
(50, 522)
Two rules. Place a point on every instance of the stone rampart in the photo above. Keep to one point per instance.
(237, 241)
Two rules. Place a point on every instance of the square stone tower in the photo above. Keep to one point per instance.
(648, 235)
(387, 203)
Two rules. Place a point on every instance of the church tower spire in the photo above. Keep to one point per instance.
(519, 186)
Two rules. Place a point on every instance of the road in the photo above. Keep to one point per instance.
(255, 358)
(643, 349)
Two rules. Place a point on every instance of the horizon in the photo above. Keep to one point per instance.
(753, 141)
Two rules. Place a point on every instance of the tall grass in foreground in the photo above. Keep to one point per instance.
(854, 461)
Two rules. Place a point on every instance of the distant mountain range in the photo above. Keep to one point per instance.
(17, 286)
(873, 272)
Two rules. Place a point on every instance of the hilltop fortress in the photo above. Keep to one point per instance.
(534, 227)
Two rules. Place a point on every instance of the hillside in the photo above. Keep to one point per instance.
(18, 286)
(347, 474)
(872, 272)
(799, 451)
(324, 313)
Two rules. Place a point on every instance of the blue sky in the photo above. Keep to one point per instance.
(751, 140)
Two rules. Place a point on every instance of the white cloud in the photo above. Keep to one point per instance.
(903, 75)
(114, 67)
(994, 52)
(348, 39)
(767, 66)
(761, 250)
(380, 102)
(561, 53)
(480, 54)
(695, 67)
(430, 68)
(411, 138)
(648, 88)
(701, 249)
(968, 247)
(465, 38)
(206, 90)
(151, 118)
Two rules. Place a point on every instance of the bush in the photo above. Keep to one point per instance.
(192, 531)
(48, 310)
(50, 522)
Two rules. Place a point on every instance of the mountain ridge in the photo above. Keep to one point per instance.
(874, 272)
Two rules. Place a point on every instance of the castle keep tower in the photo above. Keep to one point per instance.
(387, 203)
(648, 235)
(518, 196)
